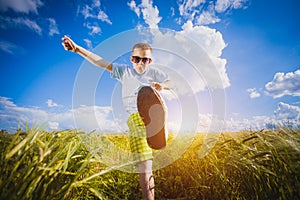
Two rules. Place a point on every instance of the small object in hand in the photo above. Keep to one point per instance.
(68, 46)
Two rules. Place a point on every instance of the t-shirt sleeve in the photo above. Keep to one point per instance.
(118, 71)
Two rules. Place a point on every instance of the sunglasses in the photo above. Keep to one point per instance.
(137, 59)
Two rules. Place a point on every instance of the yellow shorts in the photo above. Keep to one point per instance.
(137, 138)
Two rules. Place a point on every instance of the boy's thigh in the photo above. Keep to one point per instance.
(137, 139)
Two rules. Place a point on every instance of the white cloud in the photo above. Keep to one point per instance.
(94, 11)
(50, 103)
(86, 12)
(53, 125)
(208, 38)
(150, 12)
(206, 18)
(88, 118)
(94, 29)
(20, 22)
(284, 115)
(203, 12)
(6, 102)
(91, 118)
(88, 43)
(13, 116)
(253, 93)
(172, 11)
(213, 44)
(53, 29)
(24, 6)
(287, 112)
(188, 7)
(284, 84)
(103, 17)
(223, 5)
(233, 124)
(11, 48)
(236, 4)
(26, 21)
(133, 7)
(96, 3)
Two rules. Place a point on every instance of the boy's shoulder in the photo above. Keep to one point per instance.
(120, 66)
(155, 69)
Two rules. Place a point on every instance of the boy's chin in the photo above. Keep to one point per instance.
(140, 71)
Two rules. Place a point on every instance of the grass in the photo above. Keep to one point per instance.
(36, 164)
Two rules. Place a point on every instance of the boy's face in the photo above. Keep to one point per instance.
(140, 58)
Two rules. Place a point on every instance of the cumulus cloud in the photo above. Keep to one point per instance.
(284, 84)
(285, 111)
(89, 118)
(234, 124)
(24, 6)
(253, 93)
(284, 115)
(211, 41)
(150, 12)
(13, 116)
(185, 60)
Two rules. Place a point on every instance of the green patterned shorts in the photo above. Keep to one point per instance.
(137, 138)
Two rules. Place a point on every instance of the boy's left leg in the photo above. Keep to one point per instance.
(142, 153)
(146, 179)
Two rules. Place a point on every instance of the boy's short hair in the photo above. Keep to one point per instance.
(142, 45)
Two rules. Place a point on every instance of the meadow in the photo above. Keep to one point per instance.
(36, 164)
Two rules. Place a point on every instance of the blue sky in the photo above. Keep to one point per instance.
(253, 45)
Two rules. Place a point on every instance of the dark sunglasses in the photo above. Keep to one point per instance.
(137, 59)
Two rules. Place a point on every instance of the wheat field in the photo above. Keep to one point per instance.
(36, 164)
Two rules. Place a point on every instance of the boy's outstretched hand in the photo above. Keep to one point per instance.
(156, 86)
(160, 86)
(69, 44)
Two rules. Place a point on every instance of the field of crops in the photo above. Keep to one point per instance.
(36, 164)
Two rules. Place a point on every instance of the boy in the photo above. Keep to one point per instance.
(139, 85)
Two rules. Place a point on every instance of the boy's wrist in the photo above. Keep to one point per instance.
(76, 49)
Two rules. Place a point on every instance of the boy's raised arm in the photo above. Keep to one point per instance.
(70, 45)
